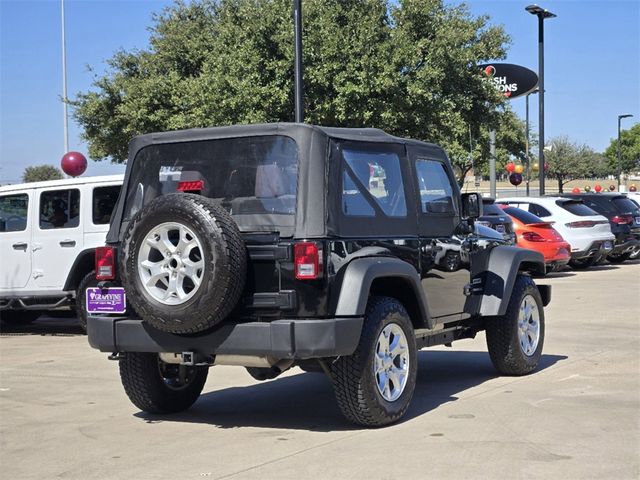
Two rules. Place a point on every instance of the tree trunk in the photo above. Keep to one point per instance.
(560, 184)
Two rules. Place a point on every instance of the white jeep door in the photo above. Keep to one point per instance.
(57, 235)
(15, 240)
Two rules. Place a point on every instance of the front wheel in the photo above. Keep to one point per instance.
(158, 387)
(515, 339)
(375, 384)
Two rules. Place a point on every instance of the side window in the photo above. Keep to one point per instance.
(60, 209)
(13, 212)
(539, 210)
(372, 178)
(104, 200)
(436, 192)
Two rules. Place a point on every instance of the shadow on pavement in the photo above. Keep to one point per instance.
(63, 323)
(306, 401)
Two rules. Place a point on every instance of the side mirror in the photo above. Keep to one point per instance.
(471, 205)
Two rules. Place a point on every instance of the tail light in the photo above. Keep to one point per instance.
(622, 219)
(307, 261)
(105, 263)
(533, 237)
(585, 224)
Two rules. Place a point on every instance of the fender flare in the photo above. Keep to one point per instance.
(83, 264)
(504, 265)
(359, 277)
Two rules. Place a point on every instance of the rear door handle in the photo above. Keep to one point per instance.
(68, 243)
(20, 246)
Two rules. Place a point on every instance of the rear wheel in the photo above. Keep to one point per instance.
(89, 281)
(158, 387)
(375, 384)
(515, 340)
(619, 258)
(582, 263)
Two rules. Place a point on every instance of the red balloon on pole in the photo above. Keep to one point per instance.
(612, 188)
(575, 190)
(510, 167)
(598, 188)
(73, 164)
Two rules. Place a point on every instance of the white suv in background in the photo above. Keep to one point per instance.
(588, 232)
(48, 235)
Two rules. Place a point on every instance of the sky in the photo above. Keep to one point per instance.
(592, 68)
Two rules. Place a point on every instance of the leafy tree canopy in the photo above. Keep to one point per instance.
(408, 67)
(629, 150)
(569, 161)
(41, 173)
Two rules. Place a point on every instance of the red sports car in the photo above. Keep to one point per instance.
(534, 233)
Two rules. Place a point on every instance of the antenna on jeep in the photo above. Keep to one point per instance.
(299, 87)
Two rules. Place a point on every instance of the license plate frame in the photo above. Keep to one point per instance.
(105, 300)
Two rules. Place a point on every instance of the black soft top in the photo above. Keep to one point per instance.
(313, 219)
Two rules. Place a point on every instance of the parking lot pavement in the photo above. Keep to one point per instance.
(63, 412)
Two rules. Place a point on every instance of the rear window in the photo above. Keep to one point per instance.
(491, 209)
(254, 178)
(522, 215)
(576, 207)
(104, 199)
(625, 205)
(13, 212)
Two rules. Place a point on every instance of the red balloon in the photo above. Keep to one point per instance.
(612, 188)
(73, 164)
(510, 167)
(515, 179)
(575, 190)
(633, 188)
(598, 188)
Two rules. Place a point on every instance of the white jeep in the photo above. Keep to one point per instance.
(48, 235)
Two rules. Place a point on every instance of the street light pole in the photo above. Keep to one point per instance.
(64, 82)
(542, 14)
(297, 31)
(527, 140)
(620, 117)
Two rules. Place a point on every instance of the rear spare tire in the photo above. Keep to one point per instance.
(183, 262)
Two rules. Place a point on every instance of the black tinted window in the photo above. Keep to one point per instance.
(525, 217)
(577, 208)
(104, 199)
(625, 205)
(491, 209)
(436, 193)
(60, 209)
(13, 212)
(539, 210)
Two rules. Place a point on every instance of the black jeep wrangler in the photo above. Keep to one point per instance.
(282, 245)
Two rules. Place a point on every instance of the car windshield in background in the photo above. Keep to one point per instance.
(576, 207)
(524, 216)
(254, 179)
(625, 205)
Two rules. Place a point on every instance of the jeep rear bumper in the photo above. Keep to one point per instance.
(291, 338)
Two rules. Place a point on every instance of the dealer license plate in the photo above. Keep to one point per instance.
(608, 245)
(106, 300)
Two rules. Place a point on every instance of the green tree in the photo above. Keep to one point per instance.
(408, 67)
(41, 173)
(569, 161)
(629, 150)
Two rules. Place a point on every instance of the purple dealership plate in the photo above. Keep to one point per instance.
(106, 300)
